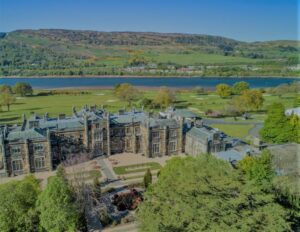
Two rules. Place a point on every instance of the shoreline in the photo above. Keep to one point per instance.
(134, 76)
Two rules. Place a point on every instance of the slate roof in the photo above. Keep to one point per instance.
(184, 113)
(67, 123)
(128, 117)
(201, 133)
(171, 123)
(26, 134)
(229, 155)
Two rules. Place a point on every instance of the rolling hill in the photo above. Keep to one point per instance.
(57, 52)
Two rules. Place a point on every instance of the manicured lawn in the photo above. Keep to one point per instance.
(122, 170)
(56, 104)
(237, 131)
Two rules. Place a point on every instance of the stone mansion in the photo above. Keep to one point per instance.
(41, 143)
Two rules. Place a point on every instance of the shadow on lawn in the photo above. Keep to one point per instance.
(182, 104)
(9, 119)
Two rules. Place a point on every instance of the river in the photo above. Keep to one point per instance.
(175, 82)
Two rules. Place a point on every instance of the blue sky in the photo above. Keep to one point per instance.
(248, 20)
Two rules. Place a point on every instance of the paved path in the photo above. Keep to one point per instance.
(108, 172)
(254, 131)
(131, 227)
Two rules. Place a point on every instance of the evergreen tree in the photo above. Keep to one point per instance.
(147, 178)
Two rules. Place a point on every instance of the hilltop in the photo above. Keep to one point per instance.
(57, 52)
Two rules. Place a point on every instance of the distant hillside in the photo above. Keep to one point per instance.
(55, 52)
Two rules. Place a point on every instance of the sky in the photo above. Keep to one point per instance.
(246, 20)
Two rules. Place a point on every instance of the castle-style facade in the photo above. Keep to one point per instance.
(41, 143)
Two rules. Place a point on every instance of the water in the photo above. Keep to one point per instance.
(175, 82)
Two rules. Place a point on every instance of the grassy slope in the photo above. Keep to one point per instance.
(55, 51)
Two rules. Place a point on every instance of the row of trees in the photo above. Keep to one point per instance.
(21, 88)
(25, 207)
(208, 194)
(7, 93)
(163, 98)
(224, 90)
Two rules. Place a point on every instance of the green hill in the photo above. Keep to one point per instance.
(56, 52)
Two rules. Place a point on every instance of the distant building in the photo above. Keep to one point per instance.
(295, 111)
(41, 143)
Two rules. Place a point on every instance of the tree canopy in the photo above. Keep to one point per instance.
(23, 89)
(207, 194)
(56, 206)
(250, 99)
(164, 97)
(127, 92)
(17, 205)
(239, 87)
(7, 99)
(277, 127)
(223, 90)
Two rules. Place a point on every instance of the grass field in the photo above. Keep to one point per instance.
(237, 131)
(55, 104)
(122, 170)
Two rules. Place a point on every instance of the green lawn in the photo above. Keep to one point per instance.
(55, 104)
(122, 170)
(237, 131)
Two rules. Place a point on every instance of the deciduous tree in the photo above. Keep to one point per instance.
(223, 90)
(23, 89)
(17, 205)
(207, 194)
(277, 127)
(164, 97)
(127, 92)
(7, 99)
(56, 206)
(239, 87)
(5, 89)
